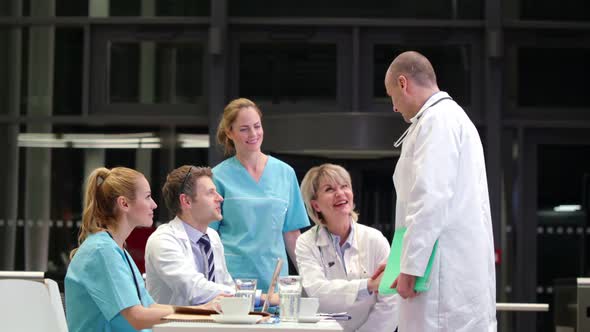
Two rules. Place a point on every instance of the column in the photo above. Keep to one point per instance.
(38, 160)
(10, 83)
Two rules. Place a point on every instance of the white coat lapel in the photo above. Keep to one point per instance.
(180, 233)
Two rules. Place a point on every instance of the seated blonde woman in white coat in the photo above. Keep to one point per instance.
(337, 257)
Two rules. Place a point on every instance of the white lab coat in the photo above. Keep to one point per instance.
(442, 193)
(171, 273)
(323, 276)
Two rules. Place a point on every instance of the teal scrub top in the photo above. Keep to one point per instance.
(255, 216)
(99, 285)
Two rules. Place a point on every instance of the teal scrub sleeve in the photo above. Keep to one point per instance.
(110, 283)
(296, 217)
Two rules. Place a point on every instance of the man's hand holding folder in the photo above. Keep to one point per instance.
(404, 283)
(395, 281)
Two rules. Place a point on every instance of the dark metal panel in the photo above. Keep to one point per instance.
(119, 20)
(553, 25)
(355, 69)
(492, 107)
(510, 122)
(109, 119)
(86, 53)
(525, 276)
(332, 132)
(348, 22)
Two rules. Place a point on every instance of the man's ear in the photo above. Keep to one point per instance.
(184, 200)
(402, 81)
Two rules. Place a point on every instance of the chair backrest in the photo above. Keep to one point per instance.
(27, 305)
(57, 304)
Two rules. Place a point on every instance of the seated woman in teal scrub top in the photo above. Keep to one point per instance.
(262, 208)
(103, 288)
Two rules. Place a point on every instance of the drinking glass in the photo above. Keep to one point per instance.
(289, 298)
(246, 288)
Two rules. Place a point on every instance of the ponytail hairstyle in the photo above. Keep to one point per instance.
(103, 187)
(230, 113)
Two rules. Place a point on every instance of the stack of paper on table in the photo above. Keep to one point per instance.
(193, 314)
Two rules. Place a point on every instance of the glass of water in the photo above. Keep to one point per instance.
(246, 288)
(289, 298)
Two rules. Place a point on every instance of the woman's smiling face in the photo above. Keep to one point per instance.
(246, 131)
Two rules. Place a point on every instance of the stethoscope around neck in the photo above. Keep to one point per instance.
(328, 265)
(418, 116)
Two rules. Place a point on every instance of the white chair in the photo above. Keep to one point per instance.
(27, 305)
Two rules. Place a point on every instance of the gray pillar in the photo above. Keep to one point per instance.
(493, 65)
(143, 163)
(93, 159)
(217, 59)
(147, 72)
(38, 160)
(10, 82)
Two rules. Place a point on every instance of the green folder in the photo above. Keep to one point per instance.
(392, 269)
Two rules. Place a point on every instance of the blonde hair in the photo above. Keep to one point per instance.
(230, 113)
(180, 178)
(311, 183)
(103, 187)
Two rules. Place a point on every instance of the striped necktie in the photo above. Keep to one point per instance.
(206, 245)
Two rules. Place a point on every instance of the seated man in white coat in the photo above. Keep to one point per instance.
(337, 257)
(184, 259)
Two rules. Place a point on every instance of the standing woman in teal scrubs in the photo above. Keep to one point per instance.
(262, 209)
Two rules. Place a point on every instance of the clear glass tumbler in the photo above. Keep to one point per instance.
(289, 296)
(246, 288)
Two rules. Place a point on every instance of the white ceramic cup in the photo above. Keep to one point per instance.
(235, 306)
(308, 306)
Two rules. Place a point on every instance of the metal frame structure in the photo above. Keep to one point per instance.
(493, 41)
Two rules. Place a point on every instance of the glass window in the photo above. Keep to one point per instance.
(72, 7)
(155, 72)
(420, 9)
(183, 7)
(67, 77)
(563, 185)
(452, 65)
(563, 175)
(6, 8)
(288, 72)
(564, 10)
(5, 65)
(553, 77)
(51, 85)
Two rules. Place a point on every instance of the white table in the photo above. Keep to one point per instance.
(322, 326)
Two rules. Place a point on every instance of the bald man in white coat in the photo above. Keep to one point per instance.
(442, 194)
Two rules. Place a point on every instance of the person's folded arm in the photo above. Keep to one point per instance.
(141, 317)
